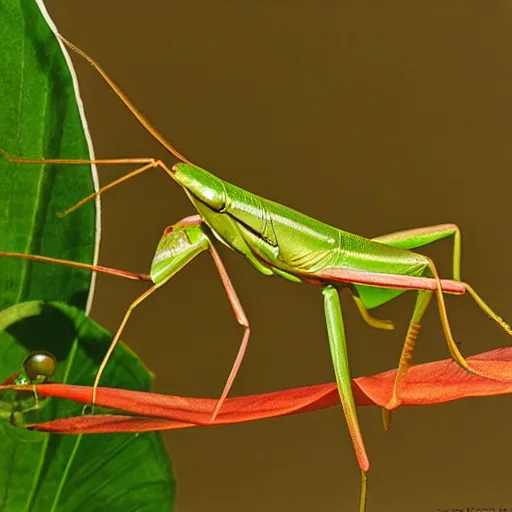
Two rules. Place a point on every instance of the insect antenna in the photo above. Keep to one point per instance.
(122, 96)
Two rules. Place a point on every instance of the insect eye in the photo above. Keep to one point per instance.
(168, 229)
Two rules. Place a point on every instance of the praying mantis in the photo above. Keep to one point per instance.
(278, 241)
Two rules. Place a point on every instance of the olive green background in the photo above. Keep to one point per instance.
(371, 116)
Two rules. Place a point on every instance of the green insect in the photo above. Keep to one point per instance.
(279, 241)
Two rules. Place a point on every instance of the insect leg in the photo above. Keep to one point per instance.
(486, 309)
(372, 321)
(413, 238)
(150, 163)
(74, 161)
(336, 334)
(241, 319)
(418, 237)
(153, 164)
(117, 336)
(179, 245)
(95, 268)
(454, 350)
(422, 302)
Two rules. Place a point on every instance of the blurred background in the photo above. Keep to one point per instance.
(370, 116)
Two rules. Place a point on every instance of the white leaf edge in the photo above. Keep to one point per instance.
(85, 127)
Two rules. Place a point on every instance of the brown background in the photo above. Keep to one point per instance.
(371, 116)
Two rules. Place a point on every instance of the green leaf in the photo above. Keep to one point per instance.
(39, 472)
(40, 118)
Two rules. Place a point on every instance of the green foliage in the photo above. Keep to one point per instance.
(39, 118)
(42, 472)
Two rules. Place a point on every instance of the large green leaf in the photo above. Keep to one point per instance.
(40, 117)
(39, 472)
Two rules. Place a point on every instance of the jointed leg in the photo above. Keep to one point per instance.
(241, 319)
(206, 243)
(192, 220)
(486, 309)
(339, 356)
(454, 350)
(372, 321)
(75, 161)
(193, 249)
(452, 345)
(151, 163)
(105, 270)
(413, 238)
(126, 177)
(95, 268)
(422, 302)
(418, 237)
(119, 331)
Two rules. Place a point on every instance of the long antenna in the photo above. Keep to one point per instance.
(122, 96)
